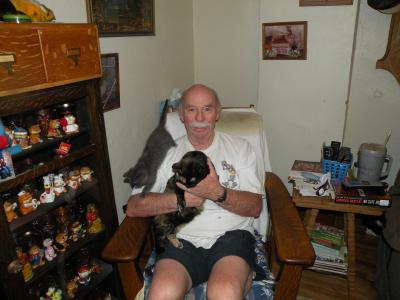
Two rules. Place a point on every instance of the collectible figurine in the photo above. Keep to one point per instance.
(36, 256)
(27, 272)
(86, 174)
(63, 219)
(77, 231)
(43, 119)
(26, 202)
(48, 195)
(52, 294)
(34, 134)
(68, 124)
(72, 288)
(49, 251)
(9, 209)
(21, 137)
(61, 243)
(63, 149)
(84, 275)
(95, 224)
(74, 180)
(53, 129)
(59, 185)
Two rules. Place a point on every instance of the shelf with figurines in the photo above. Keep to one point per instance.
(52, 132)
(53, 238)
(27, 204)
(81, 274)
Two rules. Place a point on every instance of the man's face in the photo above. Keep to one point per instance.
(199, 113)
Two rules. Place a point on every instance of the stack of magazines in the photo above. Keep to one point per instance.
(330, 249)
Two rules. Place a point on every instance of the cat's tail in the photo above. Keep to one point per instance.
(163, 118)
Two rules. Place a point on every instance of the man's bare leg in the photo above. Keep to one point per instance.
(230, 278)
(170, 281)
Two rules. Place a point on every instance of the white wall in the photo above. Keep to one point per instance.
(226, 48)
(374, 103)
(149, 66)
(303, 101)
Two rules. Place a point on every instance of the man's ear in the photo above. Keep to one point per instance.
(218, 114)
(181, 115)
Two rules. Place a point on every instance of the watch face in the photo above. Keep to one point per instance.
(223, 197)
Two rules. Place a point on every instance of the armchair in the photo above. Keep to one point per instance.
(288, 246)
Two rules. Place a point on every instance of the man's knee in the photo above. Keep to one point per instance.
(225, 289)
(165, 290)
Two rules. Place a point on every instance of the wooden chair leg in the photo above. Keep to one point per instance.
(130, 279)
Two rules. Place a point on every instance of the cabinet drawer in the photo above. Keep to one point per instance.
(21, 63)
(71, 53)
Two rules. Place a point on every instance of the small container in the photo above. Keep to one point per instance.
(338, 169)
(16, 18)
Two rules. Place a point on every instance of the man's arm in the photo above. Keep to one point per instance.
(243, 203)
(156, 204)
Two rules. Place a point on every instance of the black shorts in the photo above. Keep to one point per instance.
(199, 261)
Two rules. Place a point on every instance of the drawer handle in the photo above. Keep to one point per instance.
(74, 54)
(7, 60)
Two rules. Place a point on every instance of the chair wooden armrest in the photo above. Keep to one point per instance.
(291, 243)
(130, 247)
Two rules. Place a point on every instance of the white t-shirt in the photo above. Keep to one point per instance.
(235, 163)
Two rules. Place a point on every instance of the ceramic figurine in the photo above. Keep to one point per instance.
(52, 294)
(53, 130)
(34, 134)
(21, 137)
(84, 275)
(68, 124)
(9, 209)
(48, 195)
(43, 118)
(27, 272)
(49, 252)
(77, 231)
(63, 219)
(72, 288)
(74, 180)
(95, 224)
(26, 202)
(59, 185)
(86, 174)
(36, 256)
(61, 243)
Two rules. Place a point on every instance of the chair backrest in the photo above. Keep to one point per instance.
(245, 123)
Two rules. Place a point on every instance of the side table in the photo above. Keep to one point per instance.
(315, 204)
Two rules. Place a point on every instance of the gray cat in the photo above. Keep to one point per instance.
(144, 173)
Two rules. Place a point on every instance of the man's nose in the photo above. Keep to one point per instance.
(200, 116)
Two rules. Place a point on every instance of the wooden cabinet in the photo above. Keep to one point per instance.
(50, 72)
(41, 56)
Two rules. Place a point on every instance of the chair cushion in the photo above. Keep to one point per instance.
(262, 288)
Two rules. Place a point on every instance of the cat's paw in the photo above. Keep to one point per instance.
(174, 241)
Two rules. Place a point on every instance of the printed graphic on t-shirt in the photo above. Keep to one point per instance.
(230, 175)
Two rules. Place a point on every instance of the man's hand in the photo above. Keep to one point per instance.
(208, 188)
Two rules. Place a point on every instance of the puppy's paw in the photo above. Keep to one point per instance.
(174, 241)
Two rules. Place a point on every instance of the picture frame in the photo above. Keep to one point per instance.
(109, 82)
(122, 17)
(284, 40)
(324, 2)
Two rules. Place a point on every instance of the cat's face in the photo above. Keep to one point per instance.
(191, 169)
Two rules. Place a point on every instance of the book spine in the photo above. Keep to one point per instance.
(362, 201)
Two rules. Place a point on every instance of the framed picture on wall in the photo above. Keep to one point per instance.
(284, 40)
(109, 83)
(324, 2)
(122, 17)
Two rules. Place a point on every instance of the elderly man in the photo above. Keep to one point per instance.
(218, 245)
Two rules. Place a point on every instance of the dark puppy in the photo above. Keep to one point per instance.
(190, 170)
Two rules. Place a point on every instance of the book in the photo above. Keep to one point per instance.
(361, 196)
(328, 236)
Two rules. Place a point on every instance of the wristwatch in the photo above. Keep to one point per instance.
(222, 199)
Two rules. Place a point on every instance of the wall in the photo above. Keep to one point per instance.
(150, 66)
(303, 101)
(374, 103)
(226, 48)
